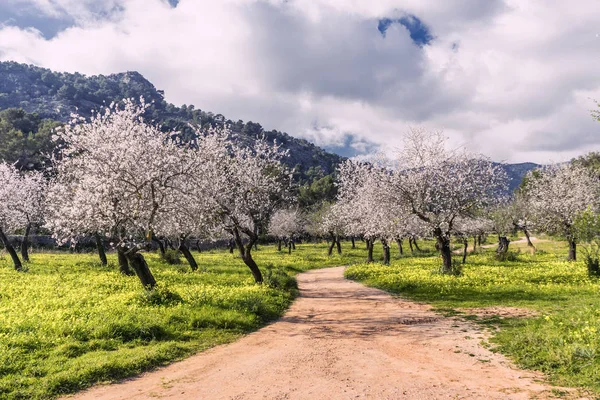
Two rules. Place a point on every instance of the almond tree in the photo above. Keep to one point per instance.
(284, 225)
(114, 177)
(521, 216)
(363, 196)
(246, 186)
(10, 217)
(30, 189)
(503, 222)
(186, 214)
(439, 185)
(408, 226)
(23, 205)
(72, 214)
(464, 228)
(557, 194)
(326, 222)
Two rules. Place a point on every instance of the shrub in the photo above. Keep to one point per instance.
(279, 279)
(593, 265)
(159, 296)
(456, 269)
(508, 256)
(172, 257)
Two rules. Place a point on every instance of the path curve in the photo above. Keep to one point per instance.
(341, 340)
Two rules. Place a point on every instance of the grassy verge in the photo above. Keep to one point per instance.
(67, 322)
(562, 341)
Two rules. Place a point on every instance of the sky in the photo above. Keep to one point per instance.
(512, 79)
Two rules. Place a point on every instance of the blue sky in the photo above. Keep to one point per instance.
(29, 18)
(511, 79)
(418, 31)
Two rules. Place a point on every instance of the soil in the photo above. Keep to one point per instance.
(521, 240)
(500, 312)
(489, 246)
(342, 340)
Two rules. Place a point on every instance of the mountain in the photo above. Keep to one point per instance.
(55, 95)
(516, 172)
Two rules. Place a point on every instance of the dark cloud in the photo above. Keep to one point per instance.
(29, 17)
(347, 58)
(556, 141)
(508, 78)
(338, 56)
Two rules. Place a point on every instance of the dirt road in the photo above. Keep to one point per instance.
(341, 340)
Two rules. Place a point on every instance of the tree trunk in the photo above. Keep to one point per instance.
(100, 248)
(188, 255)
(330, 249)
(231, 245)
(140, 266)
(11, 250)
(25, 244)
(370, 246)
(169, 244)
(474, 243)
(386, 252)
(279, 245)
(246, 254)
(289, 247)
(250, 263)
(416, 245)
(293, 244)
(478, 240)
(338, 244)
(161, 246)
(444, 246)
(529, 243)
(466, 243)
(572, 250)
(410, 244)
(352, 240)
(123, 263)
(399, 243)
(503, 243)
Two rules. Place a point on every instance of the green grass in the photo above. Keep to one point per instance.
(67, 322)
(562, 341)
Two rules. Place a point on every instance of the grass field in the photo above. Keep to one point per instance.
(562, 340)
(67, 322)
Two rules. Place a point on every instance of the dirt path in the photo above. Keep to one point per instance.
(521, 240)
(489, 246)
(341, 340)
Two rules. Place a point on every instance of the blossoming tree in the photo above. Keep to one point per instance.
(21, 207)
(284, 225)
(556, 195)
(114, 177)
(244, 186)
(439, 185)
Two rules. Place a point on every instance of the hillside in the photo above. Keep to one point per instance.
(516, 172)
(55, 95)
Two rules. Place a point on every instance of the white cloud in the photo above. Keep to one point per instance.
(511, 79)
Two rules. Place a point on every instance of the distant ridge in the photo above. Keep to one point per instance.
(55, 95)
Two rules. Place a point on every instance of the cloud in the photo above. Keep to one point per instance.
(510, 79)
